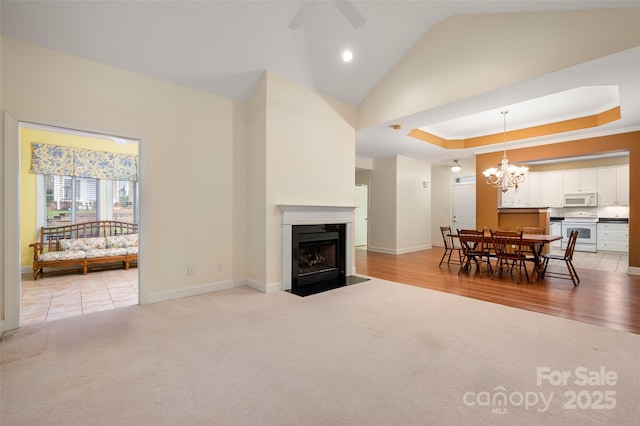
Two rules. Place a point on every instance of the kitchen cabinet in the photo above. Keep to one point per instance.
(613, 236)
(535, 189)
(515, 197)
(551, 194)
(613, 186)
(579, 180)
(540, 189)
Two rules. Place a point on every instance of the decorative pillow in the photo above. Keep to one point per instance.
(83, 243)
(122, 241)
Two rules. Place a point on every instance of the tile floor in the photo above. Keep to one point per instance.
(602, 261)
(56, 296)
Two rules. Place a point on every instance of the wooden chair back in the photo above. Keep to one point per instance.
(571, 245)
(449, 243)
(533, 230)
(508, 244)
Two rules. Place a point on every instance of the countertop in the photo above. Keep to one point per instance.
(600, 220)
(613, 220)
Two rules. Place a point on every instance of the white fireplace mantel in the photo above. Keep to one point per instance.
(314, 215)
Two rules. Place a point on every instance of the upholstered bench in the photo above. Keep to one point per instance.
(85, 244)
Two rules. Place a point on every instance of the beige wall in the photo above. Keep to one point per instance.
(413, 205)
(399, 205)
(468, 55)
(310, 158)
(382, 206)
(189, 204)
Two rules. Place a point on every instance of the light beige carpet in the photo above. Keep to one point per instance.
(375, 353)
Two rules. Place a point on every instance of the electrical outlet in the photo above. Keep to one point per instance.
(190, 270)
(219, 267)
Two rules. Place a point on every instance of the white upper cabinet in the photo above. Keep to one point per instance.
(613, 186)
(515, 197)
(547, 189)
(551, 193)
(535, 189)
(579, 180)
(543, 189)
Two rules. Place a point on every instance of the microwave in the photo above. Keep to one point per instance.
(583, 199)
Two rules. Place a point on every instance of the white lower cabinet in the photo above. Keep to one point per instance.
(613, 236)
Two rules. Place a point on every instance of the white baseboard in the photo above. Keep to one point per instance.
(264, 288)
(195, 290)
(634, 270)
(399, 251)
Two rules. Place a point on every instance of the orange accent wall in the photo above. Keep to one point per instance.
(487, 196)
(589, 121)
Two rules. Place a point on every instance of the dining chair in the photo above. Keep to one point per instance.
(509, 250)
(533, 252)
(532, 230)
(567, 258)
(474, 245)
(450, 246)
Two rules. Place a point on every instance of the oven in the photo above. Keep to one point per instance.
(586, 224)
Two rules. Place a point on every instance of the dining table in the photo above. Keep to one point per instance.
(537, 243)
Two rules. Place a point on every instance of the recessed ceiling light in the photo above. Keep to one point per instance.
(347, 55)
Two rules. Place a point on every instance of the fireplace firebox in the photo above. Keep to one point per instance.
(318, 254)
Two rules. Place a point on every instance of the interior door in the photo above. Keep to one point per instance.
(463, 209)
(361, 228)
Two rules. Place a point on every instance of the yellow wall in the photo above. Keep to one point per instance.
(28, 202)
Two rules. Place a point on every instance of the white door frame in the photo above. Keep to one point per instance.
(12, 271)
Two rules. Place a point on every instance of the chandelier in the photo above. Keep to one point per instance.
(507, 176)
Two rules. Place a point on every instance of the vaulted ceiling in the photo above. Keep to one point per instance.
(224, 47)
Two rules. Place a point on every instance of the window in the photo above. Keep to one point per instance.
(124, 200)
(69, 200)
(82, 185)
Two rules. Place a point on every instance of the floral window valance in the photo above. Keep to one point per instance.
(61, 160)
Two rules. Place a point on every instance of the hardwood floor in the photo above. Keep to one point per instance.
(608, 299)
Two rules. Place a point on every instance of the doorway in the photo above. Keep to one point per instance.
(18, 163)
(463, 209)
(361, 215)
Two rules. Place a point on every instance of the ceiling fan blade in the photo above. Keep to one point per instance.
(350, 12)
(301, 16)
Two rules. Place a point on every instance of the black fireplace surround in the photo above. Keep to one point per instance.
(318, 254)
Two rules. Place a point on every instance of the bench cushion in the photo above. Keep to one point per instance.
(122, 241)
(62, 255)
(93, 253)
(83, 243)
